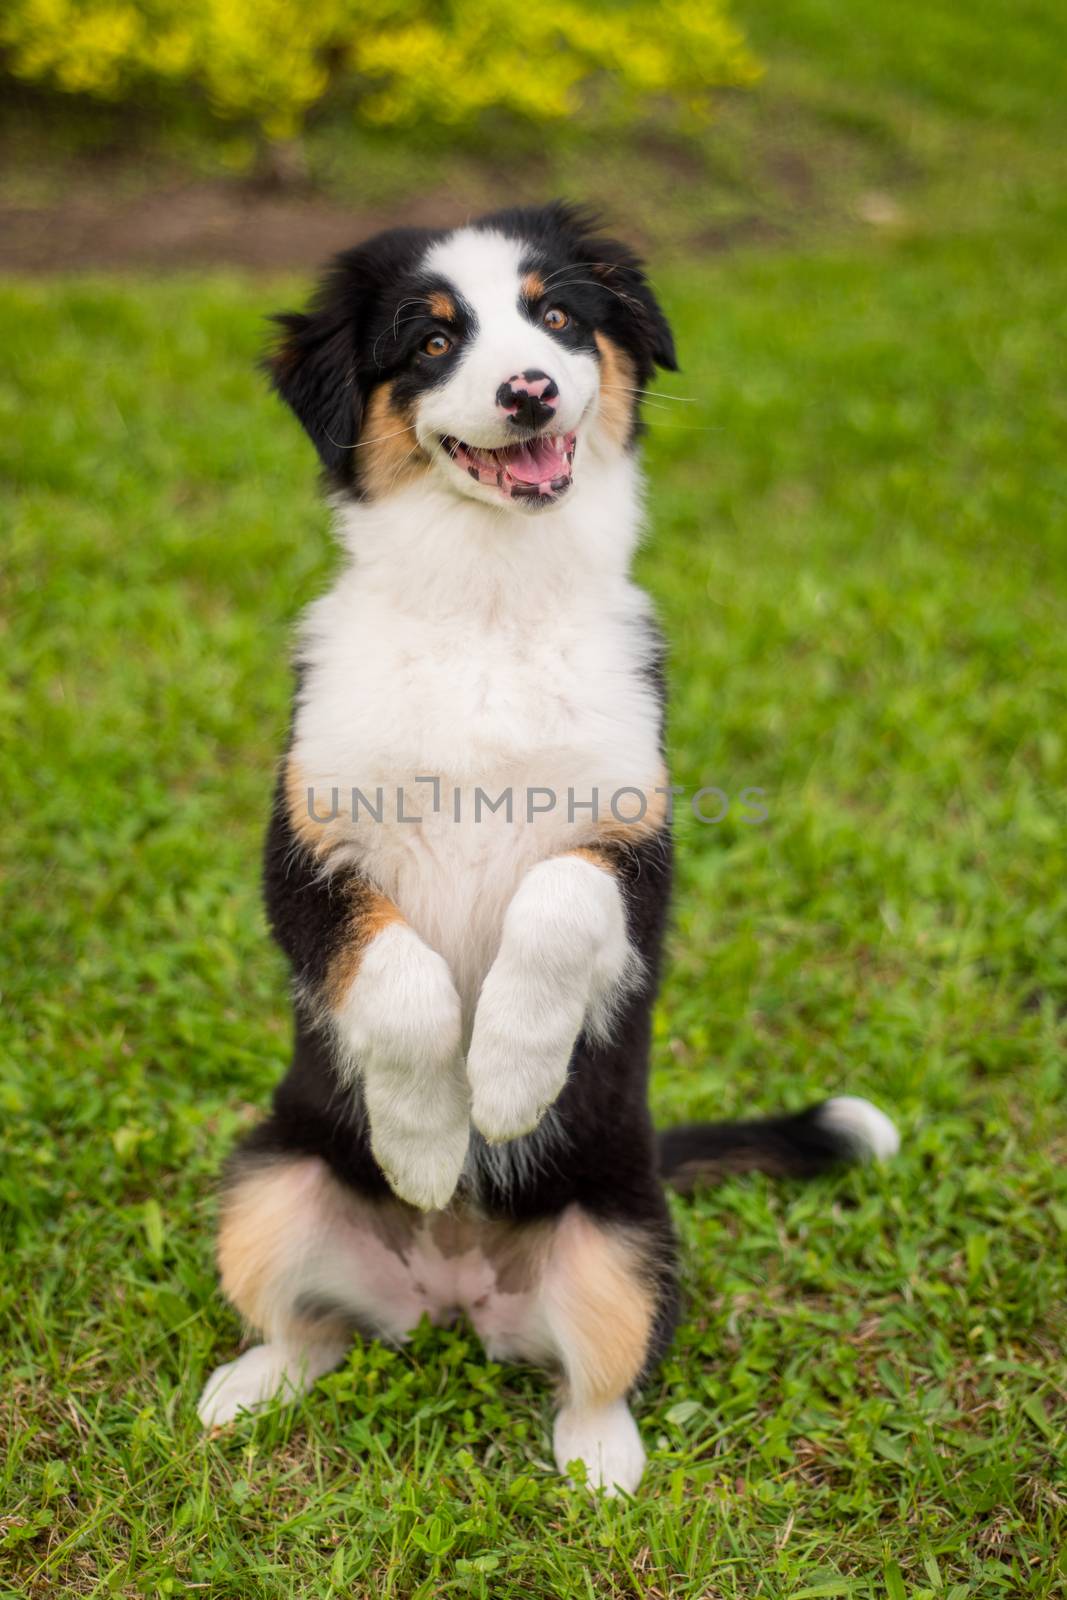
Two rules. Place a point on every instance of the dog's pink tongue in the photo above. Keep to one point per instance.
(538, 461)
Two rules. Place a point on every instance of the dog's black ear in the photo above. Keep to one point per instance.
(313, 368)
(637, 317)
(316, 363)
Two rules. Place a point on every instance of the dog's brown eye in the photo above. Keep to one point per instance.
(554, 319)
(438, 344)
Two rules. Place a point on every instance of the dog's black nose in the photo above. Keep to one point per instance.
(530, 398)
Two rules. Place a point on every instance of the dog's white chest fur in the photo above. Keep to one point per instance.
(478, 665)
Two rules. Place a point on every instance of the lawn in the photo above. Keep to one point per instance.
(859, 550)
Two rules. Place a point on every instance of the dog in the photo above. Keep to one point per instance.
(468, 864)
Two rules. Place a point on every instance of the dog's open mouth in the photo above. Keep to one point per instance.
(538, 469)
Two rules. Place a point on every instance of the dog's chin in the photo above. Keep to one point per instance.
(530, 475)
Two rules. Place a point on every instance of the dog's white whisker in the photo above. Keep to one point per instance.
(655, 394)
(396, 326)
(402, 463)
(362, 444)
(578, 283)
(403, 307)
(584, 266)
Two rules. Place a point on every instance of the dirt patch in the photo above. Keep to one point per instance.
(196, 224)
(220, 224)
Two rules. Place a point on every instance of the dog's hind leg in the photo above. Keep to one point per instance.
(305, 1262)
(602, 1306)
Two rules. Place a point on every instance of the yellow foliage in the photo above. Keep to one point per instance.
(408, 61)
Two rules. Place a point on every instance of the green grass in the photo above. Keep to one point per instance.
(860, 553)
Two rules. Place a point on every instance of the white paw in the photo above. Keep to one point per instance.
(400, 1029)
(563, 957)
(605, 1441)
(266, 1372)
(520, 1050)
(420, 1140)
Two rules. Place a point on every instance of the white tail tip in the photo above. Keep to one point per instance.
(869, 1130)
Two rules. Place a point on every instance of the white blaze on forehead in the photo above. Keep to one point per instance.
(484, 267)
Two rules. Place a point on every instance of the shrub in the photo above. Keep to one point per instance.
(404, 61)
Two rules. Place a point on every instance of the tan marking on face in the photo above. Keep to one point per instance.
(370, 913)
(618, 402)
(441, 305)
(388, 452)
(600, 1307)
(532, 286)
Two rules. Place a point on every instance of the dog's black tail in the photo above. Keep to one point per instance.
(834, 1133)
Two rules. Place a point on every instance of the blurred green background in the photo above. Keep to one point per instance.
(856, 218)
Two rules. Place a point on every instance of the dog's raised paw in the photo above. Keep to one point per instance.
(401, 1027)
(518, 1062)
(421, 1165)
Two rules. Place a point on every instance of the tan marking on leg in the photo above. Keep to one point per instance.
(319, 832)
(371, 913)
(628, 827)
(391, 455)
(599, 1306)
(609, 831)
(264, 1216)
(532, 286)
(597, 858)
(618, 402)
(290, 1230)
(442, 305)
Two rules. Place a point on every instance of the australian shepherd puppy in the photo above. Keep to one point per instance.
(469, 859)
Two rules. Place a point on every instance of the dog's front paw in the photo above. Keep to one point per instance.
(564, 956)
(400, 1030)
(420, 1139)
(520, 1051)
